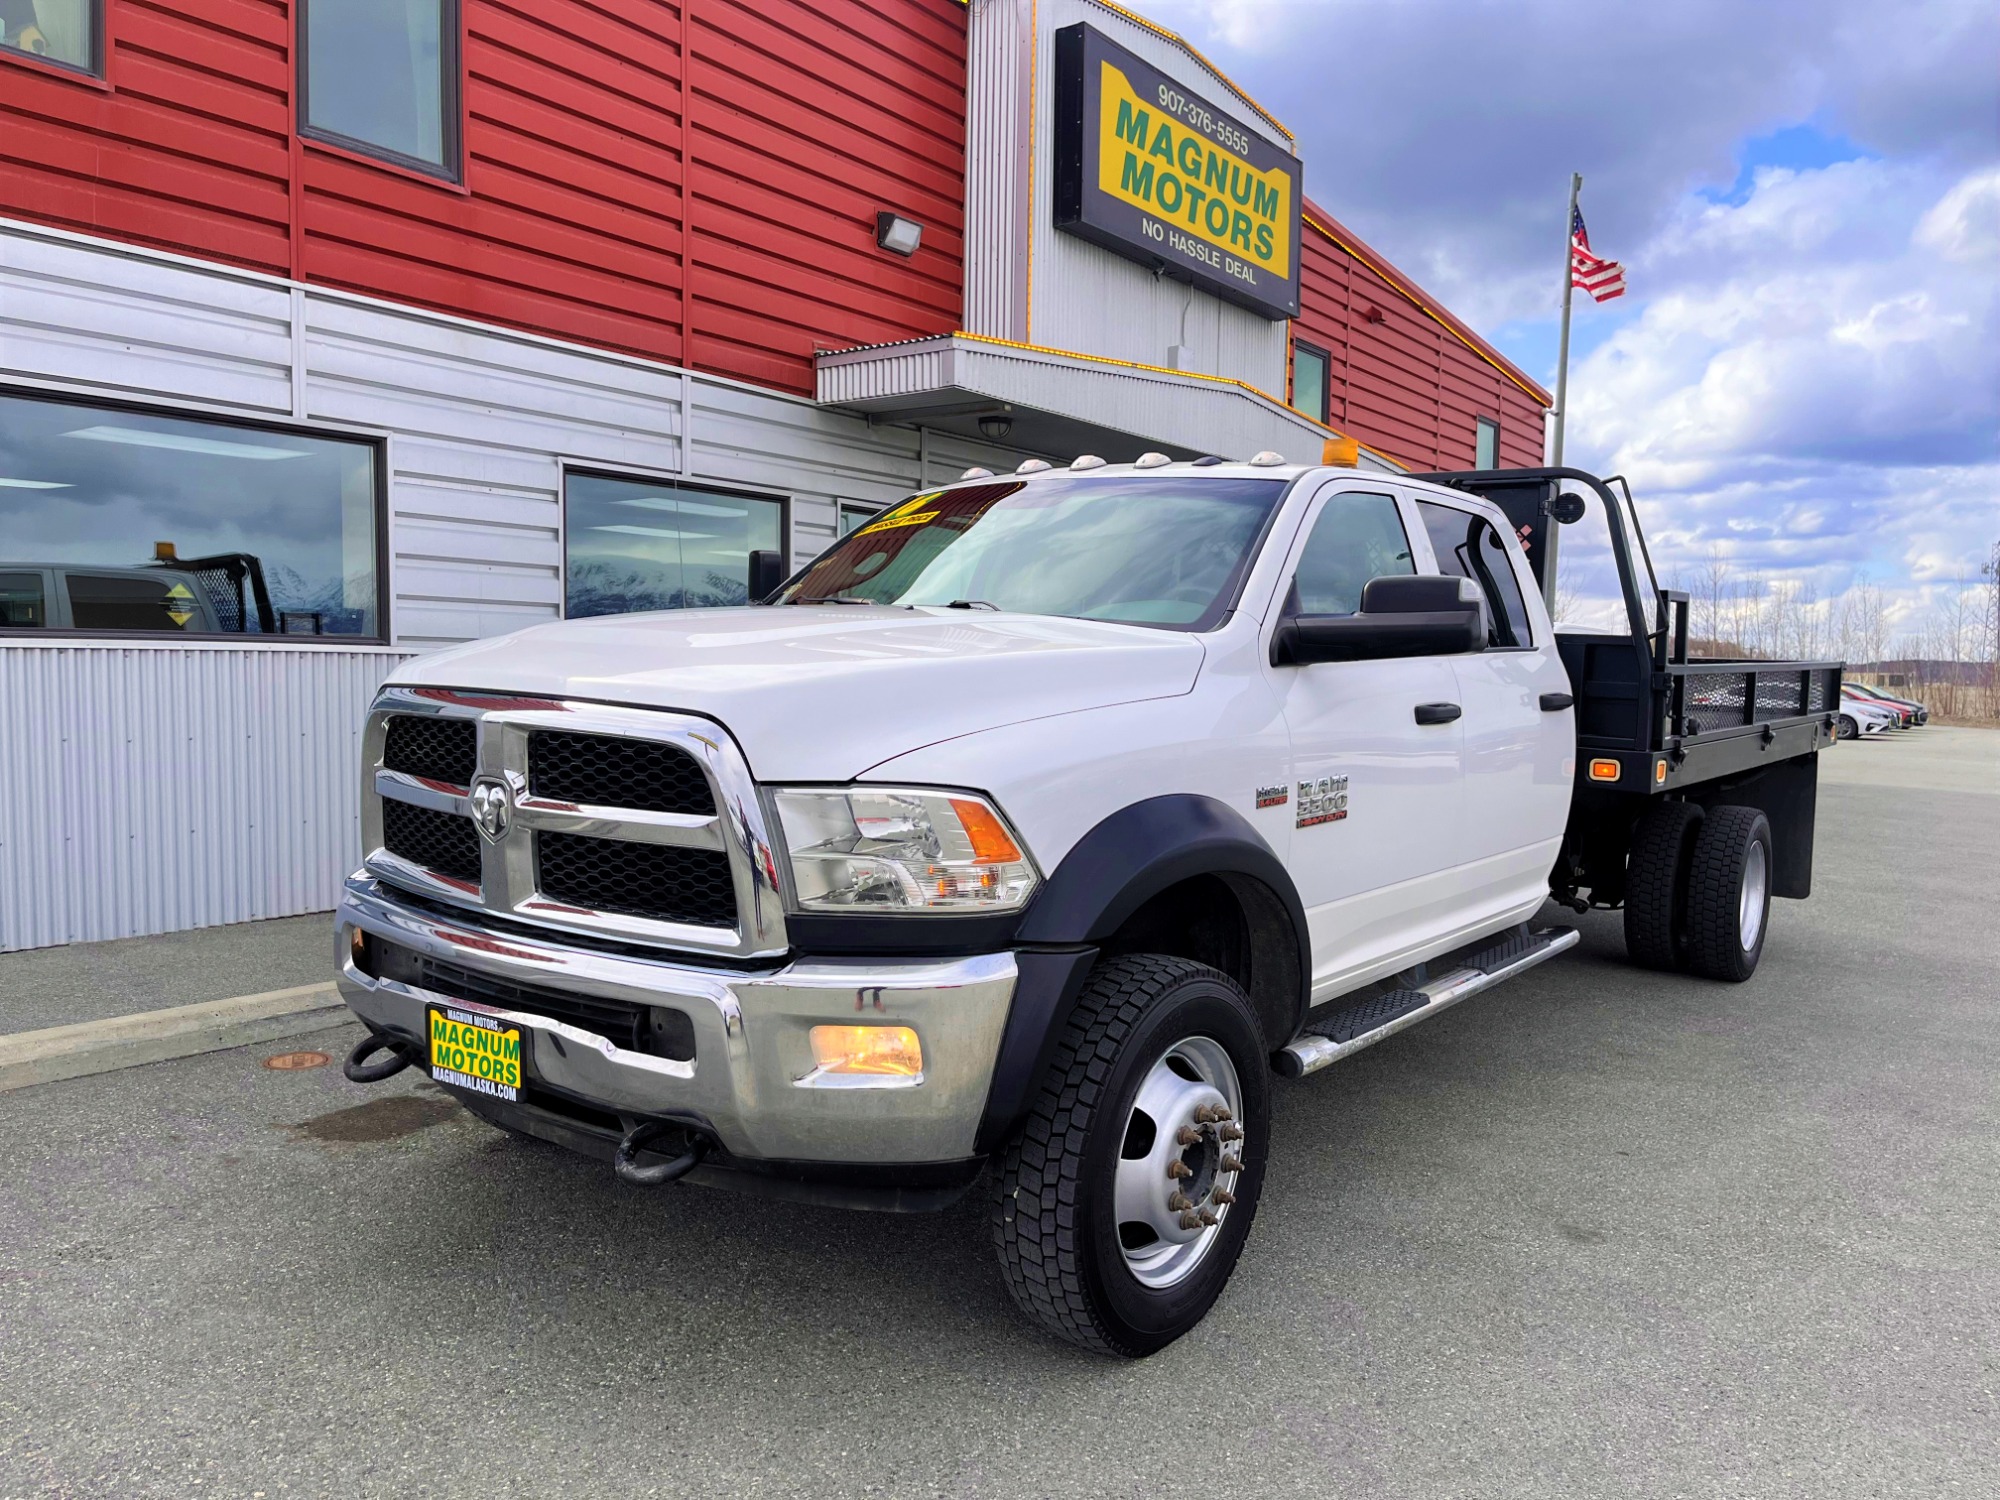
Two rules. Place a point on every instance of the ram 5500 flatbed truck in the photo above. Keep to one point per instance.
(1032, 829)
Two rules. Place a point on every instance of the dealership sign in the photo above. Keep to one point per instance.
(1149, 171)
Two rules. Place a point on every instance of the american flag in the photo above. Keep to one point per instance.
(1603, 279)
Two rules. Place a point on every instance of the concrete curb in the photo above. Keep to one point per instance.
(31, 1057)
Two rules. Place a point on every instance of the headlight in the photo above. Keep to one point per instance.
(891, 849)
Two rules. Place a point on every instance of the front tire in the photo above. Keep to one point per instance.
(1123, 1203)
(1729, 894)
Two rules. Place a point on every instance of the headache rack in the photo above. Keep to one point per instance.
(1666, 720)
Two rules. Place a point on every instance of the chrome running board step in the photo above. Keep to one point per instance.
(1367, 1021)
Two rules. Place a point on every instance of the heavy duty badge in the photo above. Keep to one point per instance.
(1272, 796)
(1322, 801)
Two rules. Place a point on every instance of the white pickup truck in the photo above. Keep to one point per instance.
(1031, 830)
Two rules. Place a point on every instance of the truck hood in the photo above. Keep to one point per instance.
(821, 693)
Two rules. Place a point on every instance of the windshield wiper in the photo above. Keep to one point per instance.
(834, 599)
(972, 604)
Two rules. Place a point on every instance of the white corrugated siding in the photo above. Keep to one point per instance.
(152, 788)
(999, 50)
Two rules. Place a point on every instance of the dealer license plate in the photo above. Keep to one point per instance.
(471, 1051)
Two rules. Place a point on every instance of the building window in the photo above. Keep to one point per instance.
(62, 31)
(1486, 445)
(638, 544)
(130, 521)
(853, 513)
(1309, 380)
(381, 76)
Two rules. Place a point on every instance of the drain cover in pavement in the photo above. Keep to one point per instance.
(292, 1062)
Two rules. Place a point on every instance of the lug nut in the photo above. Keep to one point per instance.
(1208, 1219)
(1231, 1132)
(1232, 1164)
(1179, 1168)
(1178, 1202)
(1190, 1220)
(1187, 1135)
(1220, 1195)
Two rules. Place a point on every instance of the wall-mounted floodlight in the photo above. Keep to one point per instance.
(995, 426)
(895, 233)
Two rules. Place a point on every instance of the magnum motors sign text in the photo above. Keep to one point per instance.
(1146, 169)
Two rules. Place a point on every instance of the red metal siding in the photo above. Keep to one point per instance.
(189, 151)
(805, 119)
(1407, 378)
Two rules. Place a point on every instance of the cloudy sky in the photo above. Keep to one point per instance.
(1805, 193)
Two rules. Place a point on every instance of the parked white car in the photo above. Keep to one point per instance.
(1860, 719)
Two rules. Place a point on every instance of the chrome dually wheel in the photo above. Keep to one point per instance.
(1123, 1202)
(1180, 1161)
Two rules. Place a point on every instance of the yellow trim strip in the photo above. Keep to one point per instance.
(1133, 364)
(1428, 312)
(1192, 51)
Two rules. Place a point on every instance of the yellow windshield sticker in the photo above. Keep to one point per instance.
(891, 522)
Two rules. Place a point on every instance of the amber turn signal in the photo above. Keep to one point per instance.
(882, 1051)
(1604, 770)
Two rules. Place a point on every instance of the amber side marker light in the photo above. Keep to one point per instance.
(990, 842)
(1659, 773)
(1604, 770)
(881, 1051)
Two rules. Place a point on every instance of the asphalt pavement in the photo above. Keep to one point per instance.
(1598, 1233)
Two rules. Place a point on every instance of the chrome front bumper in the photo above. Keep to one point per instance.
(752, 1080)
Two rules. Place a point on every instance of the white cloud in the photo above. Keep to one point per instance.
(1821, 405)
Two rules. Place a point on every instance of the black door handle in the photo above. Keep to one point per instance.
(1437, 713)
(1555, 703)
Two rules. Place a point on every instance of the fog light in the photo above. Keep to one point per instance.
(882, 1051)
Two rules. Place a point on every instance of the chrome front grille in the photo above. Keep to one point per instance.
(602, 771)
(615, 822)
(432, 749)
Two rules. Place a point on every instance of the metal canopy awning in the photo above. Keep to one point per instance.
(1062, 404)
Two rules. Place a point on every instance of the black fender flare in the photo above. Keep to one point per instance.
(1109, 874)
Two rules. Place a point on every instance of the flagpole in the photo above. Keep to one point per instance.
(1562, 390)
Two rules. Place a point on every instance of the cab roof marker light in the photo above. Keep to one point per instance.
(1034, 466)
(975, 472)
(1267, 459)
(1150, 461)
(1086, 461)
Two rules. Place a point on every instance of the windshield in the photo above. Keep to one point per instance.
(1165, 551)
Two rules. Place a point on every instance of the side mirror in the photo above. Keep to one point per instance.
(1399, 616)
(767, 571)
(1568, 509)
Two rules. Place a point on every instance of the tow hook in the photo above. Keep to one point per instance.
(626, 1163)
(359, 1070)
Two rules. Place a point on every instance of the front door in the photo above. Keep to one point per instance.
(1375, 794)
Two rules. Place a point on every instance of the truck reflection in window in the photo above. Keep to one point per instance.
(21, 602)
(137, 521)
